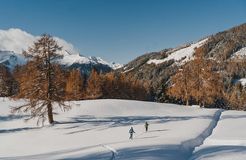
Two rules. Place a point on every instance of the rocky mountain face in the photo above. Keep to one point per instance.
(228, 44)
(227, 48)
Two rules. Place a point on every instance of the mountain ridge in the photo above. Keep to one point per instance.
(158, 67)
(14, 41)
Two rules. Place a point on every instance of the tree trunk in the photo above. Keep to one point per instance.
(200, 104)
(50, 114)
(187, 102)
(203, 104)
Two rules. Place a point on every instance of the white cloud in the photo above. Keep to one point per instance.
(17, 40)
(66, 46)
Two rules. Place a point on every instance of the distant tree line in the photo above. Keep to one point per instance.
(110, 85)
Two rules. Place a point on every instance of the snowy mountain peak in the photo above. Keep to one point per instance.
(14, 41)
(10, 59)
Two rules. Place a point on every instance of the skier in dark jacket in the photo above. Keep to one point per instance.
(146, 125)
(131, 131)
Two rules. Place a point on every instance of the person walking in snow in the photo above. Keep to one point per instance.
(146, 125)
(131, 131)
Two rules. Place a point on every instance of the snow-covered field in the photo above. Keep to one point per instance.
(98, 129)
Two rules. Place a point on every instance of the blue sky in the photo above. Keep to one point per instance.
(121, 30)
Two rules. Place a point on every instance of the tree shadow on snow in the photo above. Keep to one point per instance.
(119, 121)
(158, 130)
(11, 117)
(62, 153)
(14, 130)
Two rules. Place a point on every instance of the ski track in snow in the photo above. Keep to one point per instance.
(112, 150)
(198, 141)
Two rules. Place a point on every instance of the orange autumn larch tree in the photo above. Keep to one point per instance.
(42, 83)
(74, 85)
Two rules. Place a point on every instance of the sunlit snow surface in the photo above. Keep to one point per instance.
(228, 140)
(242, 81)
(240, 53)
(98, 129)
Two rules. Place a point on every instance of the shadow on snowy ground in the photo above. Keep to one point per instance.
(13, 130)
(218, 151)
(11, 117)
(233, 117)
(156, 152)
(119, 121)
(55, 154)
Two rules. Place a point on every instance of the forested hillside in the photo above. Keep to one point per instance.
(210, 72)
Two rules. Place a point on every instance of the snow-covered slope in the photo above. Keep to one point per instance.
(14, 41)
(116, 65)
(11, 59)
(228, 140)
(184, 54)
(98, 129)
(243, 81)
(240, 53)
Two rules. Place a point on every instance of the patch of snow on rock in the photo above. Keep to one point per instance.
(128, 70)
(116, 65)
(184, 53)
(240, 53)
(243, 81)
